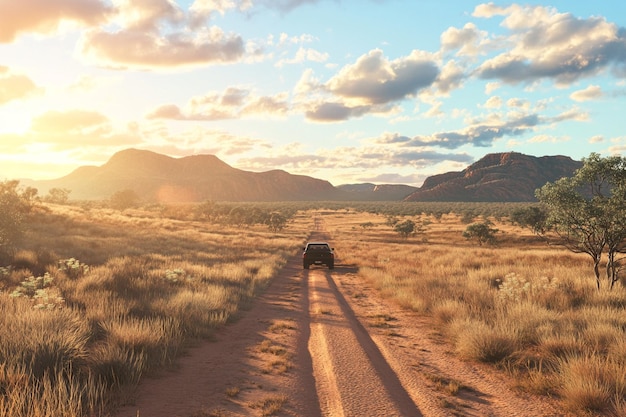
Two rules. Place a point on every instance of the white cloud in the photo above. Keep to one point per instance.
(551, 45)
(494, 102)
(232, 103)
(304, 55)
(592, 92)
(596, 139)
(468, 41)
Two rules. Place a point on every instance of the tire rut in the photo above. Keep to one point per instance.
(352, 376)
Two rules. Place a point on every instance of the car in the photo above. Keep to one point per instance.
(318, 253)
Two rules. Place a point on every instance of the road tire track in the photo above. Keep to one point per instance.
(352, 376)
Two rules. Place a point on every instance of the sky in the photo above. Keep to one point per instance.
(349, 91)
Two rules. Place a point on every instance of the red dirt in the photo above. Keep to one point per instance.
(320, 342)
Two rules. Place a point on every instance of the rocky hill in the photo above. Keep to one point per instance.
(156, 177)
(498, 177)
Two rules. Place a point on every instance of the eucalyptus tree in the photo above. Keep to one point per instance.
(588, 211)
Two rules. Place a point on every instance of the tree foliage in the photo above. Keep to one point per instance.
(481, 232)
(405, 228)
(587, 212)
(532, 217)
(276, 221)
(58, 196)
(124, 199)
(15, 204)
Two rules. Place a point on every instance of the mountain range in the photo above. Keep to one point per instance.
(155, 177)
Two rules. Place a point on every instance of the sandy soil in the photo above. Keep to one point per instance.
(319, 342)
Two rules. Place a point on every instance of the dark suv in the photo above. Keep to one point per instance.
(318, 253)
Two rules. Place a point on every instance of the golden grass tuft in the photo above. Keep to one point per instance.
(271, 405)
(590, 383)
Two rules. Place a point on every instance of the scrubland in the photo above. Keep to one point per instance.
(94, 299)
(526, 307)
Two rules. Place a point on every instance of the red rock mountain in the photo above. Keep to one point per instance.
(156, 177)
(498, 177)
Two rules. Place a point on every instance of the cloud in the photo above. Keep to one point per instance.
(68, 122)
(551, 45)
(271, 105)
(373, 79)
(136, 49)
(335, 112)
(483, 133)
(304, 55)
(494, 102)
(372, 85)
(285, 5)
(548, 139)
(596, 139)
(450, 78)
(57, 131)
(233, 103)
(518, 103)
(468, 41)
(158, 34)
(592, 92)
(45, 16)
(15, 86)
(166, 111)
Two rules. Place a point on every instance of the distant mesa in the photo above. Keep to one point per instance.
(497, 177)
(502, 177)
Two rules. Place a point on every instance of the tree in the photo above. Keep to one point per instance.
(124, 199)
(58, 196)
(468, 216)
(405, 228)
(534, 218)
(481, 232)
(15, 204)
(587, 212)
(276, 221)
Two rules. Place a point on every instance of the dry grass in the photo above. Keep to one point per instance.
(133, 290)
(75, 339)
(270, 406)
(523, 306)
(232, 392)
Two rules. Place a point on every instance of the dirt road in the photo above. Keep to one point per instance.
(319, 342)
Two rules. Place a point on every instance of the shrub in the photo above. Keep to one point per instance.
(124, 199)
(478, 341)
(15, 204)
(405, 228)
(481, 232)
(588, 383)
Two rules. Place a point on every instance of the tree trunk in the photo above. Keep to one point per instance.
(596, 270)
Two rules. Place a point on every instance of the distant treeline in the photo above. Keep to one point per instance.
(384, 208)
